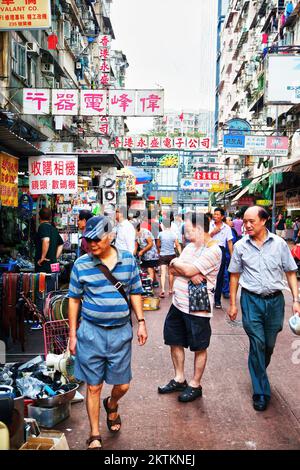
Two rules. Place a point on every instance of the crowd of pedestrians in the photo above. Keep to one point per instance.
(203, 256)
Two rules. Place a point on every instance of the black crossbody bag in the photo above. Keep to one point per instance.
(117, 284)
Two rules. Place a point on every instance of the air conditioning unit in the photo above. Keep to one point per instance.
(67, 29)
(291, 118)
(47, 69)
(32, 48)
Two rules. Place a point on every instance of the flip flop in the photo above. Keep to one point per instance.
(162, 295)
(111, 422)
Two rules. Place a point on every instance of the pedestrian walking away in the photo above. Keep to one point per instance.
(124, 231)
(258, 264)
(103, 280)
(185, 327)
(222, 233)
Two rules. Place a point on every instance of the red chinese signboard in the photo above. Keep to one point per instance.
(8, 180)
(207, 175)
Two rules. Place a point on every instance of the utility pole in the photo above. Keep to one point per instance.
(274, 180)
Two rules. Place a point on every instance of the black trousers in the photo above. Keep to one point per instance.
(220, 277)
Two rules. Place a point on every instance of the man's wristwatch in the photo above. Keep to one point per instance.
(296, 300)
(141, 319)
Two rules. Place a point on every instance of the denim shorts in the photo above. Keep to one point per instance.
(182, 329)
(103, 355)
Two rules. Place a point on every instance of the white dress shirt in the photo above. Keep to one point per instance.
(223, 236)
(125, 236)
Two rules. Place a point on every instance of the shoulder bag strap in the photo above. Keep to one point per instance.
(117, 284)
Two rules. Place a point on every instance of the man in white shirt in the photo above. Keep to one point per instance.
(222, 233)
(125, 232)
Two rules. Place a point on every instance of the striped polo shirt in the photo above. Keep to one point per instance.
(102, 303)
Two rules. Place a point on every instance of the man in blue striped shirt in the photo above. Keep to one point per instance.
(102, 343)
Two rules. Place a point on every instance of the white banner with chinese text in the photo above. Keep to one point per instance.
(53, 175)
(69, 102)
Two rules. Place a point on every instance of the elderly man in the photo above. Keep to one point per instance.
(104, 279)
(258, 264)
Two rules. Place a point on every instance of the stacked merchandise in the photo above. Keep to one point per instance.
(43, 391)
(146, 284)
(19, 294)
(56, 305)
(150, 302)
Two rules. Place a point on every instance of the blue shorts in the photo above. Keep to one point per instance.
(103, 355)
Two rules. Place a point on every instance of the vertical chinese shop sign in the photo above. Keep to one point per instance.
(53, 175)
(8, 180)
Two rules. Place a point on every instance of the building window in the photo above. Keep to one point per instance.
(19, 62)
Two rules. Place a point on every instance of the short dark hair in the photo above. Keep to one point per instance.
(198, 219)
(219, 209)
(45, 213)
(166, 222)
(85, 215)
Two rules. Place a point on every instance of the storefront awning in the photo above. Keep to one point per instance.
(141, 176)
(256, 180)
(291, 165)
(15, 145)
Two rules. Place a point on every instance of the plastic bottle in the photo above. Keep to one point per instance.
(4, 437)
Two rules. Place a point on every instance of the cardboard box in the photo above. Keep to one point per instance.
(38, 443)
(47, 440)
(59, 438)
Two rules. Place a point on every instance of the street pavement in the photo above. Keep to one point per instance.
(224, 417)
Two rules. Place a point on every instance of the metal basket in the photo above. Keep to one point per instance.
(56, 335)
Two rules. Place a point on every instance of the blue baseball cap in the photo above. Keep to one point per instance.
(96, 227)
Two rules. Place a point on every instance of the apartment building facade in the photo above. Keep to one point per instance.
(252, 31)
(187, 122)
(65, 56)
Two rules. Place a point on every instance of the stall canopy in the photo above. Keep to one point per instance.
(15, 145)
(246, 189)
(141, 176)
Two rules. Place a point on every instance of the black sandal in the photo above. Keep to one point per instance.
(92, 439)
(111, 422)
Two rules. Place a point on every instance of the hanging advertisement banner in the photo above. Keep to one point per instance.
(162, 160)
(17, 15)
(263, 202)
(207, 175)
(55, 147)
(155, 142)
(255, 145)
(216, 188)
(71, 102)
(287, 89)
(9, 167)
(53, 175)
(193, 185)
